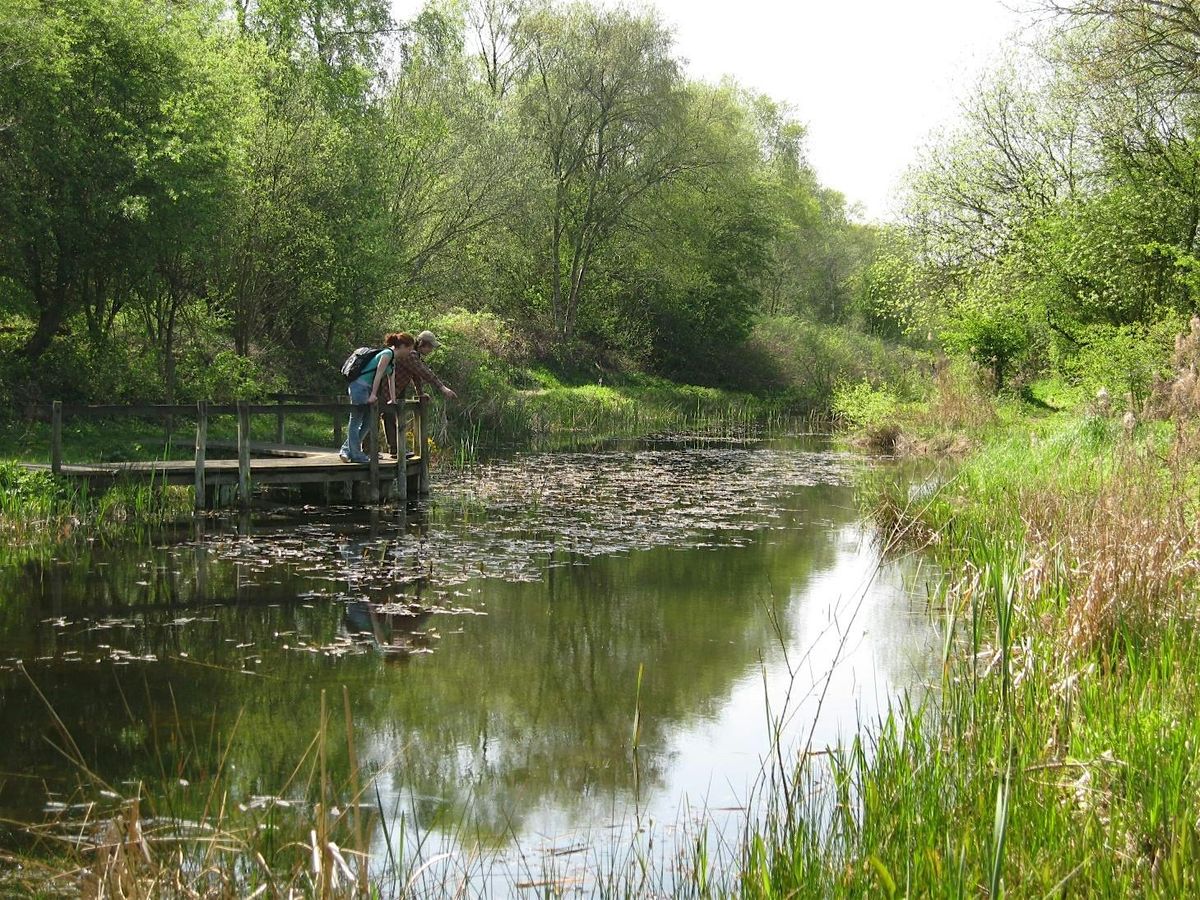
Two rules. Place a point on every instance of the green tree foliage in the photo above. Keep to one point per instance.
(217, 196)
(602, 99)
(1057, 224)
(116, 143)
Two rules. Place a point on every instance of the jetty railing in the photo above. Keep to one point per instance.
(283, 406)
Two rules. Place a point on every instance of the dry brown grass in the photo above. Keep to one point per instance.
(1178, 398)
(108, 847)
(1123, 554)
(963, 398)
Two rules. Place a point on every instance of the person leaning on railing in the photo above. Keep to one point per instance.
(410, 369)
(379, 374)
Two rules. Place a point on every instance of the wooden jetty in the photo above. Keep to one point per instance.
(317, 471)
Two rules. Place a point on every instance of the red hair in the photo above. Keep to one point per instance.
(399, 339)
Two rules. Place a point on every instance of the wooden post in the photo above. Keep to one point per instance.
(422, 446)
(373, 451)
(201, 449)
(338, 418)
(401, 489)
(243, 441)
(280, 432)
(56, 437)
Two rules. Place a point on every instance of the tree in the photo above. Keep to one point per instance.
(452, 163)
(602, 99)
(110, 137)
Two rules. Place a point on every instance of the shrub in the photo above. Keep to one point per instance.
(478, 356)
(863, 405)
(963, 398)
(1126, 360)
(805, 361)
(1178, 396)
(226, 376)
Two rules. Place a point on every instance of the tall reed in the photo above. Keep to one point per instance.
(1056, 756)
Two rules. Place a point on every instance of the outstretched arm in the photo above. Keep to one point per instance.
(420, 371)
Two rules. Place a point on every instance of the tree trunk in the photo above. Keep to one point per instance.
(50, 318)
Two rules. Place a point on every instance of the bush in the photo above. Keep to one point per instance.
(963, 397)
(19, 485)
(864, 406)
(805, 362)
(478, 356)
(225, 376)
(1126, 360)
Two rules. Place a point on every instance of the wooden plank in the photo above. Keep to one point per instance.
(139, 410)
(290, 408)
(327, 461)
(308, 398)
(243, 436)
(56, 420)
(324, 467)
(280, 424)
(166, 410)
(201, 450)
(401, 473)
(270, 448)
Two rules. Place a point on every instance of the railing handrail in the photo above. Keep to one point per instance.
(167, 410)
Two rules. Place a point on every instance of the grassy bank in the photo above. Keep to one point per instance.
(39, 511)
(1058, 756)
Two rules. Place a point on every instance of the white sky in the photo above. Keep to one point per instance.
(870, 78)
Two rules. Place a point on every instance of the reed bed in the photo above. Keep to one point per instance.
(560, 417)
(1057, 756)
(39, 511)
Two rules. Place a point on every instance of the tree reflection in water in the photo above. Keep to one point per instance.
(490, 644)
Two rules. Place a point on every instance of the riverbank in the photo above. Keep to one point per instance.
(1058, 757)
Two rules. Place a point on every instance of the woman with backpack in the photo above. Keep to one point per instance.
(364, 390)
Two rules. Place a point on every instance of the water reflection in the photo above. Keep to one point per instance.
(491, 644)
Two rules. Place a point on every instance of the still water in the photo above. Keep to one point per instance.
(496, 647)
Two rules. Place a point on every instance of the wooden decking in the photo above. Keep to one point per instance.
(317, 471)
(295, 468)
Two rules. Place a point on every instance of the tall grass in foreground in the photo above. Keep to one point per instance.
(325, 832)
(1059, 757)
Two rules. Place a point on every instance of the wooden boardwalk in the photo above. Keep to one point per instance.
(318, 471)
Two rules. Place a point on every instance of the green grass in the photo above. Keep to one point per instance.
(1057, 755)
(560, 416)
(40, 513)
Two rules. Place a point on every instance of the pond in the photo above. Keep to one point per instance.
(560, 656)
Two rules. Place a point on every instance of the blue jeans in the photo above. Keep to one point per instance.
(360, 395)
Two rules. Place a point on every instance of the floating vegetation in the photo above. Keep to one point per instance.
(510, 520)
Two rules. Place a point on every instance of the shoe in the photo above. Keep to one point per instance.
(410, 455)
(360, 459)
(344, 456)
